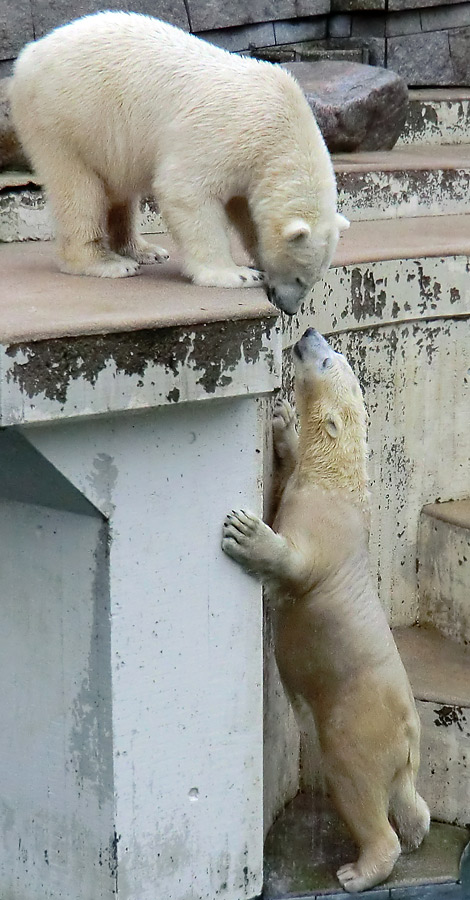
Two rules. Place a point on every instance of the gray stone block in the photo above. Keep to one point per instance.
(403, 23)
(244, 38)
(48, 14)
(421, 58)
(459, 43)
(339, 25)
(368, 25)
(301, 29)
(210, 14)
(394, 5)
(357, 5)
(443, 17)
(16, 27)
(6, 67)
(357, 107)
(376, 49)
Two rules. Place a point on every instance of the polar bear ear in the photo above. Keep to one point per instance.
(342, 222)
(332, 426)
(296, 229)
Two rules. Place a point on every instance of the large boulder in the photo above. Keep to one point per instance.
(357, 107)
(11, 152)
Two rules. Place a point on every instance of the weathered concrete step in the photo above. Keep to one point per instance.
(437, 116)
(444, 568)
(307, 844)
(404, 182)
(386, 273)
(439, 672)
(77, 346)
(25, 213)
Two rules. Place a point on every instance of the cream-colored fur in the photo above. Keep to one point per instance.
(116, 106)
(335, 651)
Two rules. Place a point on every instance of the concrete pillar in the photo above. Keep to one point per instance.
(131, 647)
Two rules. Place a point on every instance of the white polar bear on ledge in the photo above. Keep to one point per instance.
(116, 106)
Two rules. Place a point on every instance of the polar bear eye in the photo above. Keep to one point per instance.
(327, 362)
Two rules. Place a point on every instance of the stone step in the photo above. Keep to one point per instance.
(25, 213)
(404, 182)
(387, 273)
(437, 116)
(308, 843)
(401, 183)
(439, 672)
(444, 568)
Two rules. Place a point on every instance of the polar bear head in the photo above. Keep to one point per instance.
(332, 413)
(294, 255)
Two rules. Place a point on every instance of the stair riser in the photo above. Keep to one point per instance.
(444, 577)
(362, 196)
(444, 776)
(437, 122)
(388, 195)
(26, 216)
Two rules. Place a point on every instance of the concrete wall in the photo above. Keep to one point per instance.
(131, 659)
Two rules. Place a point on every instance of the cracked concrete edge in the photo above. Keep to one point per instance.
(98, 374)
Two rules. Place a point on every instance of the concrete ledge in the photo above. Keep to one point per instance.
(74, 346)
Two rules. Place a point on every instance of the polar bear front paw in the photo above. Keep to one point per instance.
(238, 277)
(249, 541)
(285, 437)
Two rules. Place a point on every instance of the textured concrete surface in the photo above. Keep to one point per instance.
(438, 668)
(444, 569)
(437, 116)
(439, 671)
(38, 301)
(406, 182)
(308, 843)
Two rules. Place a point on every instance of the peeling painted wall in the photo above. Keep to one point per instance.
(404, 327)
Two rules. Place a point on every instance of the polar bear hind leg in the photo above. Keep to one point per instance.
(200, 227)
(124, 238)
(80, 204)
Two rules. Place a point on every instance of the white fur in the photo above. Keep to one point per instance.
(117, 105)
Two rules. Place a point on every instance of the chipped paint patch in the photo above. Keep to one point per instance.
(80, 375)
(403, 193)
(25, 215)
(436, 122)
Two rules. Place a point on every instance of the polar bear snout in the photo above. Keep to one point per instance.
(313, 347)
(287, 296)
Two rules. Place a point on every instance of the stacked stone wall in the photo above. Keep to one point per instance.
(428, 44)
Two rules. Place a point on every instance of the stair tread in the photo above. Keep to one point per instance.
(450, 94)
(405, 158)
(308, 842)
(37, 301)
(438, 668)
(455, 512)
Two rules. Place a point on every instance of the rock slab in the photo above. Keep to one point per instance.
(11, 152)
(357, 107)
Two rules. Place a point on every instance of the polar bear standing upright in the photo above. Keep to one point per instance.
(118, 105)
